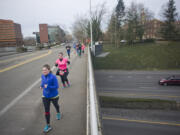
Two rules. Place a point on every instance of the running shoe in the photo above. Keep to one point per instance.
(58, 116)
(47, 128)
(68, 85)
(64, 86)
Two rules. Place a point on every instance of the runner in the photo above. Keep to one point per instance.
(83, 47)
(74, 46)
(79, 49)
(62, 69)
(49, 84)
(68, 49)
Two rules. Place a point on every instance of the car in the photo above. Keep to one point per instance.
(62, 44)
(171, 80)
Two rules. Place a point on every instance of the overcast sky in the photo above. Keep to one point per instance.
(29, 13)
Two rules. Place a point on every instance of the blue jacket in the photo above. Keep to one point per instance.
(52, 85)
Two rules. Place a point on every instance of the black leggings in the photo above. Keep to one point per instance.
(64, 78)
(46, 102)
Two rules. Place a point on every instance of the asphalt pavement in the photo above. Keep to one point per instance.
(120, 127)
(21, 108)
(137, 84)
(140, 84)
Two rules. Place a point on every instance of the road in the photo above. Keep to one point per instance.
(21, 109)
(138, 84)
(119, 127)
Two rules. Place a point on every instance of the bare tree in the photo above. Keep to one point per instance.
(96, 19)
(79, 28)
(29, 41)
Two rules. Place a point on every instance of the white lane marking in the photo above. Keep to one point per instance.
(110, 76)
(148, 87)
(12, 103)
(5, 109)
(129, 77)
(148, 77)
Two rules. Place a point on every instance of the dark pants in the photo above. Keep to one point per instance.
(47, 102)
(79, 52)
(64, 78)
(68, 52)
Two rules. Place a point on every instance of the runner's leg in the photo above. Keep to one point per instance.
(46, 103)
(56, 105)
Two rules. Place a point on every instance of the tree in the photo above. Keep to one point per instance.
(168, 28)
(29, 41)
(136, 17)
(119, 20)
(96, 19)
(132, 22)
(68, 37)
(79, 28)
(111, 28)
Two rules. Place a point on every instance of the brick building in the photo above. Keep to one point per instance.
(10, 34)
(152, 28)
(50, 34)
(43, 32)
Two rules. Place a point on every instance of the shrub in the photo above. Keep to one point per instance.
(21, 49)
(39, 47)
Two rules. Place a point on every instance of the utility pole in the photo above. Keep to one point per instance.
(91, 26)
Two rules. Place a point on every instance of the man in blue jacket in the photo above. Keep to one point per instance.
(49, 84)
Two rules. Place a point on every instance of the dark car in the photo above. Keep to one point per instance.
(172, 80)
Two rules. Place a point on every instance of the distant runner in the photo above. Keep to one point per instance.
(68, 49)
(83, 47)
(79, 49)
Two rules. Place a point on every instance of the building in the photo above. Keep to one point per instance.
(54, 34)
(152, 29)
(43, 32)
(10, 34)
(50, 34)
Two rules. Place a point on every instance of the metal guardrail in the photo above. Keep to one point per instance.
(93, 121)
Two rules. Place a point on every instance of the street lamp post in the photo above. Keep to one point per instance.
(91, 26)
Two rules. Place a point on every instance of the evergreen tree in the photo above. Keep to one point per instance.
(119, 14)
(168, 28)
(133, 23)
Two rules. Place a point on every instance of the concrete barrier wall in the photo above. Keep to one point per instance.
(93, 119)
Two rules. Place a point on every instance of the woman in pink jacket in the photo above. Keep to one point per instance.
(83, 48)
(62, 71)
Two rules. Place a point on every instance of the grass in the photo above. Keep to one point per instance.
(149, 56)
(137, 103)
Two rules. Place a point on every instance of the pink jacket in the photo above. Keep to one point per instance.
(62, 65)
(83, 46)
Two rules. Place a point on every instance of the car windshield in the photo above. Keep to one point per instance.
(169, 78)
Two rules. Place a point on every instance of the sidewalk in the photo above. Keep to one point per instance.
(73, 101)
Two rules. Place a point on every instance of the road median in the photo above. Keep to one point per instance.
(137, 103)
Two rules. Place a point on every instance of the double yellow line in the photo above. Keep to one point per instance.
(24, 62)
(142, 121)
